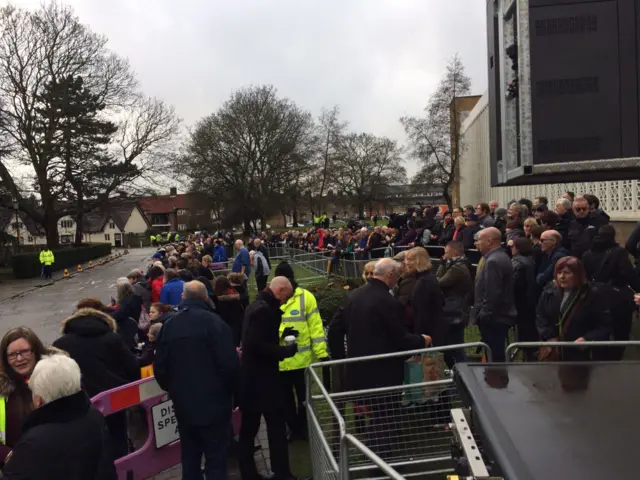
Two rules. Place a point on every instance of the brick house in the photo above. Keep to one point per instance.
(177, 212)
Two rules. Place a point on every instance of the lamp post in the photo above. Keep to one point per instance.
(15, 206)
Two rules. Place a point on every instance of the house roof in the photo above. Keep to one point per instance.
(117, 210)
(163, 203)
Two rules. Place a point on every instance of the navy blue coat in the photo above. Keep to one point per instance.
(197, 363)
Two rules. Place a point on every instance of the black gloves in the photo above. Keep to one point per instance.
(290, 350)
(290, 331)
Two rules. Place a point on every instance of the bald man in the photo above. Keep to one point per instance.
(262, 351)
(197, 363)
(552, 251)
(494, 307)
(242, 262)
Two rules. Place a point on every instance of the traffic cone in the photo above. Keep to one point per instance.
(90, 264)
(100, 262)
(79, 268)
(66, 273)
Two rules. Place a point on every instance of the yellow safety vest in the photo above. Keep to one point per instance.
(3, 420)
(46, 257)
(301, 312)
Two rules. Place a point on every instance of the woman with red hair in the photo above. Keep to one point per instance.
(572, 310)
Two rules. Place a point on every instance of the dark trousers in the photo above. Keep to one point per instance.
(454, 336)
(383, 437)
(526, 331)
(210, 441)
(261, 282)
(276, 434)
(47, 271)
(495, 335)
(118, 438)
(291, 382)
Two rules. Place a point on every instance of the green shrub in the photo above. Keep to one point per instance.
(330, 297)
(27, 265)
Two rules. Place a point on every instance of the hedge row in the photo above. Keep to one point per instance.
(27, 265)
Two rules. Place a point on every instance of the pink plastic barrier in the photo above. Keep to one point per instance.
(148, 460)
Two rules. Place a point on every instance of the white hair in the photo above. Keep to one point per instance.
(386, 266)
(564, 202)
(55, 377)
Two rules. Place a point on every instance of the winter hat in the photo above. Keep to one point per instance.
(285, 270)
(501, 212)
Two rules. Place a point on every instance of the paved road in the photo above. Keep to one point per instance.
(44, 309)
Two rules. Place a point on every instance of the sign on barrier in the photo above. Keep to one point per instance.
(165, 425)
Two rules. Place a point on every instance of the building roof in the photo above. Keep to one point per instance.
(159, 204)
(117, 210)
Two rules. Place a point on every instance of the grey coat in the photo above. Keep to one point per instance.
(143, 290)
(493, 299)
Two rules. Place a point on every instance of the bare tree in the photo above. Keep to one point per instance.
(251, 150)
(330, 132)
(37, 48)
(435, 139)
(365, 165)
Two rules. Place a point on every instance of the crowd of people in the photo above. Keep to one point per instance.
(548, 273)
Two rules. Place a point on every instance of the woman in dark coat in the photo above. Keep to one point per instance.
(89, 337)
(238, 282)
(21, 350)
(127, 312)
(229, 307)
(572, 310)
(426, 298)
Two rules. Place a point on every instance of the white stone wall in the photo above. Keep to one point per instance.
(620, 199)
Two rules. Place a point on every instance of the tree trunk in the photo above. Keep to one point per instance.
(247, 226)
(51, 227)
(360, 210)
(79, 219)
(284, 217)
(295, 217)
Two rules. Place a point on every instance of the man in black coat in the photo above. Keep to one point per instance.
(64, 437)
(260, 379)
(197, 363)
(373, 323)
(583, 229)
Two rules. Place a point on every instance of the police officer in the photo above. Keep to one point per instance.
(47, 260)
(153, 240)
(300, 318)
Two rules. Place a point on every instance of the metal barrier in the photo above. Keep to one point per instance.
(512, 349)
(161, 448)
(404, 428)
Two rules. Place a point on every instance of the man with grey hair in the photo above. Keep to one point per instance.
(242, 262)
(494, 307)
(64, 437)
(373, 322)
(197, 363)
(140, 287)
(260, 394)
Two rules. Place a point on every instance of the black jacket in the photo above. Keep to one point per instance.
(547, 265)
(592, 319)
(197, 363)
(89, 337)
(446, 234)
(562, 227)
(230, 309)
(262, 353)
(525, 291)
(468, 234)
(64, 439)
(582, 231)
(427, 302)
(126, 317)
(143, 290)
(372, 322)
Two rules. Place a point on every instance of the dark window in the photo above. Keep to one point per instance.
(569, 146)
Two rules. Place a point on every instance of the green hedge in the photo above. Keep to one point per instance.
(333, 295)
(27, 265)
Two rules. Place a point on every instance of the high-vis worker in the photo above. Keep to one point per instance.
(300, 318)
(47, 260)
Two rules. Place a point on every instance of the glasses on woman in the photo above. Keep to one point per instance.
(26, 353)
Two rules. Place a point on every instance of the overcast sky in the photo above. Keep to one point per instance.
(377, 59)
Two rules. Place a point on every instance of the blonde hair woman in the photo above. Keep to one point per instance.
(528, 224)
(367, 272)
(420, 294)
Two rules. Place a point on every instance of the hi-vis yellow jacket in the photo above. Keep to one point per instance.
(301, 312)
(46, 257)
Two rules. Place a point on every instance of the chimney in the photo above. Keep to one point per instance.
(173, 191)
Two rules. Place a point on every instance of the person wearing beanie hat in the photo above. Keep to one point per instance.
(301, 319)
